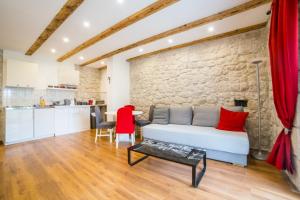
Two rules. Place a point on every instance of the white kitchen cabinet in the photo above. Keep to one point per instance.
(18, 125)
(44, 123)
(68, 75)
(23, 124)
(20, 74)
(71, 119)
(79, 119)
(62, 120)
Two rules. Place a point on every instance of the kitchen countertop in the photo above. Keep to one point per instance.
(72, 106)
(18, 107)
(48, 107)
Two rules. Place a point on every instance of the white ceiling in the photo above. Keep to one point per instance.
(21, 23)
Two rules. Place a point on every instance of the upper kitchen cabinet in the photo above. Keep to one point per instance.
(20, 74)
(68, 75)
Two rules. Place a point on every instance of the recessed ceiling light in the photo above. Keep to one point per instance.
(53, 50)
(102, 62)
(120, 1)
(141, 50)
(86, 24)
(170, 41)
(66, 40)
(81, 58)
(211, 29)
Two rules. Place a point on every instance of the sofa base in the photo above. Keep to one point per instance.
(236, 159)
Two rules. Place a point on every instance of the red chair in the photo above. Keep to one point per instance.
(130, 106)
(125, 124)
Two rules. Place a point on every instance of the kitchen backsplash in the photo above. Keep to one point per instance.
(29, 96)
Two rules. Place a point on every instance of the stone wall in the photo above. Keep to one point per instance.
(211, 73)
(89, 84)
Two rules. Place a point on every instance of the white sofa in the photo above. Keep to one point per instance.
(228, 146)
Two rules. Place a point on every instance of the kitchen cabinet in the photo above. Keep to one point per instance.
(28, 123)
(18, 125)
(20, 74)
(44, 123)
(79, 119)
(67, 75)
(71, 119)
(62, 120)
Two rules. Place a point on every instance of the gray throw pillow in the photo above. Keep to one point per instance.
(209, 116)
(181, 115)
(160, 116)
(206, 116)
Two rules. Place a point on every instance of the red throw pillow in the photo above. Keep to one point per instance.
(232, 121)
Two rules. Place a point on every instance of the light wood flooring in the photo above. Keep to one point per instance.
(74, 167)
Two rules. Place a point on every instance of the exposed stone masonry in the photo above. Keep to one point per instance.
(211, 73)
(89, 84)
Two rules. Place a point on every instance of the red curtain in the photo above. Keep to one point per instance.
(283, 47)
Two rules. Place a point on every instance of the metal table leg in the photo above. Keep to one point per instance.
(196, 178)
(136, 161)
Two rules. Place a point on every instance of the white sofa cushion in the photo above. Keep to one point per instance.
(197, 136)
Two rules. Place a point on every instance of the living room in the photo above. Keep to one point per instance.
(166, 99)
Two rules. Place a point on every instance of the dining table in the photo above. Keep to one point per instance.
(134, 112)
(114, 113)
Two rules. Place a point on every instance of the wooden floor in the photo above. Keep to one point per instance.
(74, 167)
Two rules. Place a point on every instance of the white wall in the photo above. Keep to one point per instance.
(118, 88)
(103, 84)
(50, 71)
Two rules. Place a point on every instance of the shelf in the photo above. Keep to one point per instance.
(62, 89)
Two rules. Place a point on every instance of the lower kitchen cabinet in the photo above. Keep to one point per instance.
(18, 125)
(71, 119)
(62, 120)
(79, 119)
(43, 123)
(27, 123)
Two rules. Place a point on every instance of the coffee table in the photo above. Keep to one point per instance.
(182, 154)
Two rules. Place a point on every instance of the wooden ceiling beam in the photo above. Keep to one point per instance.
(200, 22)
(149, 10)
(69, 7)
(214, 37)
